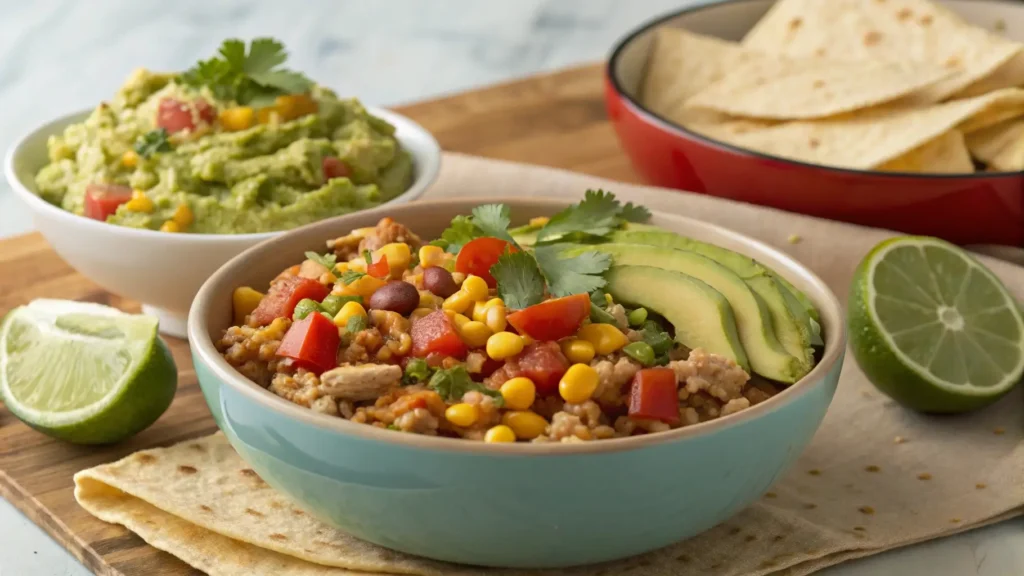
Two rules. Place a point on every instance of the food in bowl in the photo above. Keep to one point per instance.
(586, 325)
(237, 144)
(899, 86)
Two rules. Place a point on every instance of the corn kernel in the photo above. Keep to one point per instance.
(451, 314)
(130, 159)
(526, 425)
(420, 313)
(398, 255)
(431, 256)
(605, 337)
(183, 216)
(578, 383)
(519, 393)
(460, 320)
(608, 299)
(244, 300)
(500, 433)
(502, 345)
(139, 202)
(475, 287)
(539, 221)
(497, 318)
(474, 334)
(292, 106)
(429, 300)
(458, 302)
(578, 351)
(478, 311)
(237, 118)
(462, 414)
(348, 311)
(170, 226)
(458, 278)
(364, 286)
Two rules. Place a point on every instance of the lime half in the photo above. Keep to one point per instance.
(82, 372)
(933, 328)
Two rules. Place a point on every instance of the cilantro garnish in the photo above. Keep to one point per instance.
(326, 260)
(494, 220)
(152, 142)
(416, 370)
(520, 282)
(598, 214)
(459, 233)
(659, 340)
(454, 382)
(635, 213)
(355, 324)
(349, 276)
(254, 78)
(579, 274)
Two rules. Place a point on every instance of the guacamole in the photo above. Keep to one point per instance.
(167, 155)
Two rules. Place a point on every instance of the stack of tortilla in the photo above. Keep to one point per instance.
(890, 85)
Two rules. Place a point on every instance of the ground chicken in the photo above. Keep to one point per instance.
(720, 377)
(619, 313)
(612, 377)
(360, 382)
(302, 388)
(387, 232)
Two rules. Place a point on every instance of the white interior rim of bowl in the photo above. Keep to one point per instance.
(666, 124)
(424, 176)
(202, 344)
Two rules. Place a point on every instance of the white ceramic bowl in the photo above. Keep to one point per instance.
(164, 271)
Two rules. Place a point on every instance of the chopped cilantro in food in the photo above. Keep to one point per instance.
(454, 382)
(349, 276)
(416, 370)
(355, 324)
(368, 257)
(520, 282)
(326, 260)
(494, 220)
(152, 142)
(459, 232)
(598, 214)
(253, 78)
(635, 213)
(659, 341)
(577, 275)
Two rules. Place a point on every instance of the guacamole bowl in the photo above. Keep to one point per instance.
(526, 505)
(162, 270)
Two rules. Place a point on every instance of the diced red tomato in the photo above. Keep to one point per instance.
(379, 269)
(553, 319)
(102, 200)
(477, 257)
(284, 294)
(312, 343)
(334, 167)
(435, 334)
(174, 115)
(435, 359)
(653, 395)
(542, 362)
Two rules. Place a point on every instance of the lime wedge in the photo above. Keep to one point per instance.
(83, 372)
(933, 328)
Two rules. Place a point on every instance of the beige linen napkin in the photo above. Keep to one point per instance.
(875, 477)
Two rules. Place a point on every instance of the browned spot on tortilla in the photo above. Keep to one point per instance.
(734, 531)
(795, 23)
(926, 20)
(779, 537)
(873, 37)
(810, 506)
(952, 62)
(954, 520)
(814, 472)
(197, 447)
(899, 440)
(187, 469)
(205, 508)
(818, 84)
(684, 558)
(872, 468)
(766, 564)
(144, 458)
(980, 486)
(1000, 25)
(276, 505)
(819, 52)
(249, 472)
(252, 512)
(999, 431)
(905, 14)
(924, 476)
(750, 538)
(280, 537)
(859, 528)
(298, 512)
(770, 495)
(866, 510)
(814, 143)
(716, 565)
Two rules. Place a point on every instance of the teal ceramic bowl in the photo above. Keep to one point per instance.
(513, 505)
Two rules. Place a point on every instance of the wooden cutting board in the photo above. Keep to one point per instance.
(555, 120)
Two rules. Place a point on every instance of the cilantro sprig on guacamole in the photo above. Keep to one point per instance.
(238, 143)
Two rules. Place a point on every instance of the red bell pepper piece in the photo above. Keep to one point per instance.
(379, 269)
(284, 294)
(477, 256)
(312, 343)
(435, 334)
(654, 394)
(102, 200)
(334, 167)
(553, 319)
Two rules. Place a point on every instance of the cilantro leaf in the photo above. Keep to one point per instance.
(368, 256)
(326, 260)
(286, 81)
(248, 78)
(494, 220)
(264, 55)
(355, 324)
(152, 142)
(350, 276)
(459, 232)
(520, 282)
(454, 382)
(416, 370)
(659, 340)
(580, 274)
(635, 213)
(596, 215)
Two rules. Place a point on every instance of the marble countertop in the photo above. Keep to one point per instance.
(57, 56)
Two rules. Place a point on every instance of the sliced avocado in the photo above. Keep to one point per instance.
(753, 320)
(701, 315)
(794, 335)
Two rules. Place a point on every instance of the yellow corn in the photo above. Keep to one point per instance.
(292, 106)
(475, 287)
(500, 433)
(416, 280)
(130, 159)
(431, 256)
(237, 118)
(478, 311)
(450, 314)
(429, 300)
(474, 334)
(526, 340)
(539, 221)
(183, 216)
(496, 318)
(605, 337)
(458, 302)
(578, 351)
(420, 313)
(243, 301)
(170, 226)
(139, 202)
(348, 311)
(519, 393)
(364, 286)
(608, 299)
(578, 383)
(502, 345)
(462, 414)
(460, 320)
(398, 255)
(526, 425)
(458, 277)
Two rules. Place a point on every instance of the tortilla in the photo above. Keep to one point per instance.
(946, 154)
(886, 30)
(1001, 146)
(775, 88)
(871, 138)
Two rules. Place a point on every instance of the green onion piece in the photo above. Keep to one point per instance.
(599, 315)
(304, 308)
(641, 352)
(637, 317)
(333, 303)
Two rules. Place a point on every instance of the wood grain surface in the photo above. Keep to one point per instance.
(554, 120)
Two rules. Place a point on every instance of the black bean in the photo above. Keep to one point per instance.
(396, 296)
(439, 281)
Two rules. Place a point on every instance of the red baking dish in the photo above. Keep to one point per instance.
(983, 208)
